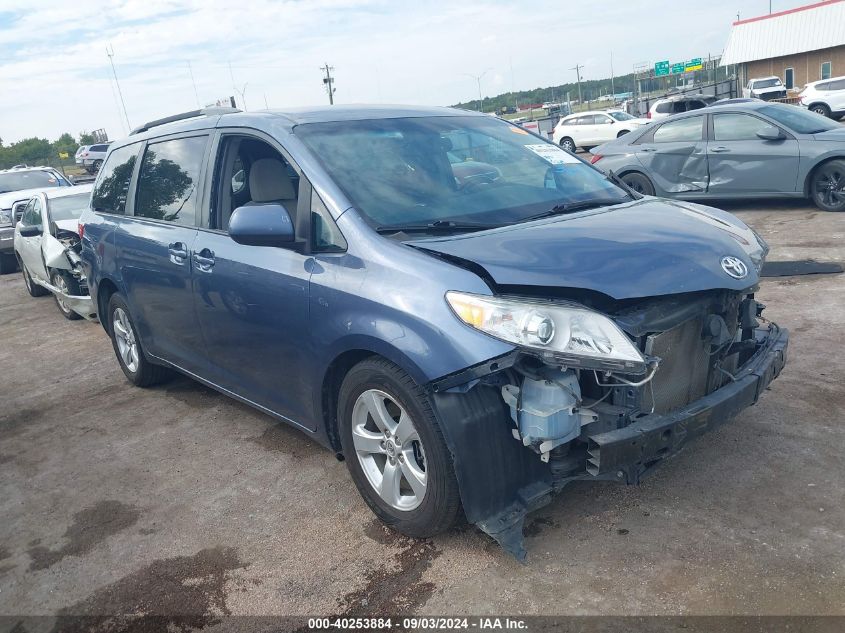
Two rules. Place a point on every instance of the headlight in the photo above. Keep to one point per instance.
(5, 216)
(568, 334)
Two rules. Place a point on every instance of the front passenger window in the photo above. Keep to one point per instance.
(326, 237)
(169, 180)
(737, 127)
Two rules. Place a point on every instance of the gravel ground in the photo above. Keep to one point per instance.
(178, 500)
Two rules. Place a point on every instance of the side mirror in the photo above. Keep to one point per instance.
(30, 230)
(770, 133)
(262, 225)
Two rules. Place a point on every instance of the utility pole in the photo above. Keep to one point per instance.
(328, 81)
(577, 70)
(196, 94)
(612, 87)
(110, 53)
(478, 79)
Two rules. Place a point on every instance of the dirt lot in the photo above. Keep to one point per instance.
(180, 500)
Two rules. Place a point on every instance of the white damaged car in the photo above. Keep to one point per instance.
(47, 246)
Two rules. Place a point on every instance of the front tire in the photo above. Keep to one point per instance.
(568, 144)
(127, 346)
(395, 450)
(68, 286)
(827, 187)
(821, 108)
(639, 183)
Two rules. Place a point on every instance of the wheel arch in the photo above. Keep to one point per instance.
(105, 289)
(338, 368)
(819, 163)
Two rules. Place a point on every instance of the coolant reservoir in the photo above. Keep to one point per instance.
(544, 410)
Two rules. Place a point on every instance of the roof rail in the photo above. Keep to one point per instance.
(212, 111)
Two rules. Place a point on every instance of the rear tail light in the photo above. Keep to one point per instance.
(596, 158)
(81, 230)
(648, 114)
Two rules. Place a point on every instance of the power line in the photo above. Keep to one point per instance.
(328, 81)
(110, 53)
(196, 94)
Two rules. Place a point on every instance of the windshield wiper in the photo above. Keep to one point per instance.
(572, 207)
(436, 226)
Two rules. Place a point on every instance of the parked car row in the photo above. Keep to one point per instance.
(469, 315)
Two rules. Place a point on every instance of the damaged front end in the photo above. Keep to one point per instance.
(61, 250)
(605, 392)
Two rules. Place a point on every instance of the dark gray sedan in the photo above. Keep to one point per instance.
(735, 150)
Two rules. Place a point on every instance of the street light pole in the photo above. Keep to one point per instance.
(577, 70)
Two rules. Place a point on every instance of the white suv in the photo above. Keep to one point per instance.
(588, 129)
(826, 97)
(93, 156)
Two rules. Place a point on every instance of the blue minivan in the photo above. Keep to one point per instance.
(468, 315)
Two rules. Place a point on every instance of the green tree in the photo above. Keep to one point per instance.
(86, 138)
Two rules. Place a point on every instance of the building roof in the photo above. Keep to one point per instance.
(808, 28)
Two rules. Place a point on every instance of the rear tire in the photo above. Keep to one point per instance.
(97, 164)
(827, 186)
(401, 437)
(32, 288)
(821, 108)
(127, 346)
(68, 285)
(639, 183)
(568, 144)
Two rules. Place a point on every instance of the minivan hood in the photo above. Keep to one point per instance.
(645, 248)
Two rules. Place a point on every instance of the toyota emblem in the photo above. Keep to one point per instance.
(735, 267)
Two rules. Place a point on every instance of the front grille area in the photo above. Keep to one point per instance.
(684, 367)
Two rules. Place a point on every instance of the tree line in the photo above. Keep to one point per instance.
(40, 151)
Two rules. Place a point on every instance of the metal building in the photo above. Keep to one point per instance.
(798, 45)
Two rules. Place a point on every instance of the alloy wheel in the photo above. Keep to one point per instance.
(61, 284)
(389, 450)
(127, 345)
(830, 186)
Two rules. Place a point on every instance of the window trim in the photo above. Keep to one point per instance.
(829, 71)
(202, 177)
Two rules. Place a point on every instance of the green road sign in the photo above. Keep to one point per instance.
(661, 68)
(693, 64)
(677, 68)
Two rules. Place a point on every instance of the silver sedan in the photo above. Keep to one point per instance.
(734, 150)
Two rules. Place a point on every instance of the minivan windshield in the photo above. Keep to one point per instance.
(69, 207)
(28, 179)
(455, 173)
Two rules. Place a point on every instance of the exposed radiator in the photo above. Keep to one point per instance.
(684, 367)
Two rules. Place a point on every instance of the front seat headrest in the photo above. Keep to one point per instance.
(269, 181)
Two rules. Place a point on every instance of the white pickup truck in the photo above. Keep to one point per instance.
(765, 88)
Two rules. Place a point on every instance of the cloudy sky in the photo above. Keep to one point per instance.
(55, 74)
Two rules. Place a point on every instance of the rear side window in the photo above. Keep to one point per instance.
(688, 129)
(824, 86)
(169, 179)
(98, 148)
(663, 108)
(109, 195)
(839, 84)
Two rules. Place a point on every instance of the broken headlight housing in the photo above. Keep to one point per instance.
(565, 334)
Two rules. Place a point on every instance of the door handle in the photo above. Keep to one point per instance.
(719, 149)
(204, 259)
(178, 252)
